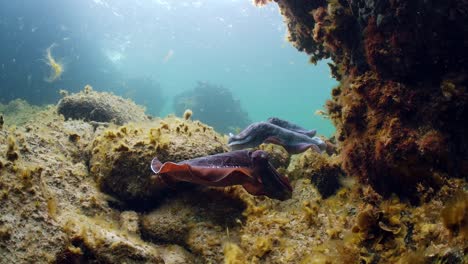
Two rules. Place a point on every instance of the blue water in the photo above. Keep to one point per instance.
(171, 45)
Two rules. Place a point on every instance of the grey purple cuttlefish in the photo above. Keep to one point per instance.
(293, 138)
(291, 126)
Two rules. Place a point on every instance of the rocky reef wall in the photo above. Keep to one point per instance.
(401, 107)
(80, 191)
(76, 191)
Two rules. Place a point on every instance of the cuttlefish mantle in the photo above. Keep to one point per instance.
(291, 126)
(251, 169)
(266, 132)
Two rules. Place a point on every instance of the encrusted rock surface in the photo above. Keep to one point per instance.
(53, 211)
(401, 106)
(90, 105)
(121, 156)
(324, 172)
(198, 219)
(278, 156)
(400, 112)
(50, 206)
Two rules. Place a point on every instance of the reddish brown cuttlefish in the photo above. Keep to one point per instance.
(251, 169)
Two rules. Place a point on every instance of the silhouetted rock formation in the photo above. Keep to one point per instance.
(213, 105)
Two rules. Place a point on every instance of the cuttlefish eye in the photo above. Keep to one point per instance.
(259, 155)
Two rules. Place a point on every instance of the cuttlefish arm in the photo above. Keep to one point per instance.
(251, 136)
(274, 184)
(226, 169)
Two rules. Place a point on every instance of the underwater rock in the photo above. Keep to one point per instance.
(323, 171)
(401, 130)
(455, 214)
(47, 180)
(121, 157)
(129, 221)
(18, 112)
(95, 106)
(403, 143)
(173, 254)
(401, 107)
(106, 244)
(169, 223)
(52, 210)
(213, 105)
(278, 156)
(206, 212)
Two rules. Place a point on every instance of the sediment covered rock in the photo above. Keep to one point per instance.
(95, 106)
(51, 210)
(401, 107)
(277, 155)
(121, 157)
(324, 171)
(198, 219)
(399, 129)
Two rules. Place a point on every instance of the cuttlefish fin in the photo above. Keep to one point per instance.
(209, 176)
(215, 175)
(276, 184)
(254, 189)
(274, 140)
(299, 148)
(156, 165)
(316, 148)
(311, 133)
(168, 167)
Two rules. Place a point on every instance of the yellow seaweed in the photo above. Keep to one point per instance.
(56, 68)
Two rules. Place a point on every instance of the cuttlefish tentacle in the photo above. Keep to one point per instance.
(250, 169)
(251, 136)
(291, 126)
(265, 132)
(273, 182)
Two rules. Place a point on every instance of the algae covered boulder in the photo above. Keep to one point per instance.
(401, 107)
(175, 219)
(323, 171)
(278, 156)
(51, 209)
(95, 106)
(102, 242)
(121, 157)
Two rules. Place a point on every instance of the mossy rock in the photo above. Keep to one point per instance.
(323, 171)
(278, 156)
(95, 106)
(121, 157)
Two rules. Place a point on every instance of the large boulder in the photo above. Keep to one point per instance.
(90, 105)
(121, 157)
